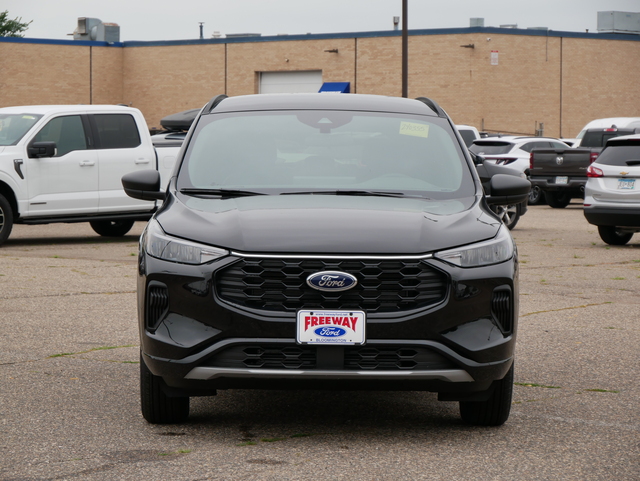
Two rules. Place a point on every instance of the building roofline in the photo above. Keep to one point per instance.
(333, 36)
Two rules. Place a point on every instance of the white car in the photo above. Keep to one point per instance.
(515, 152)
(612, 192)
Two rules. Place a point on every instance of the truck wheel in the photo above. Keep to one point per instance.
(112, 228)
(508, 214)
(6, 219)
(536, 196)
(157, 407)
(612, 236)
(557, 200)
(495, 410)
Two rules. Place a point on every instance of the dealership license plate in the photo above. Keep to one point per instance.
(626, 184)
(330, 327)
(562, 180)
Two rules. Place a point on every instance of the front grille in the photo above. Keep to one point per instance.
(280, 285)
(394, 358)
(305, 357)
(287, 356)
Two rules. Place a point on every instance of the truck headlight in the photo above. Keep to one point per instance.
(494, 251)
(160, 245)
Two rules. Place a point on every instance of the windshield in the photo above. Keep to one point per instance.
(14, 126)
(325, 152)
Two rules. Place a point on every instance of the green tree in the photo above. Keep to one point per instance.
(12, 28)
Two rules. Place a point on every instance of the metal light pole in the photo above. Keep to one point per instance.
(405, 56)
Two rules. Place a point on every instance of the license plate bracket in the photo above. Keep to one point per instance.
(330, 327)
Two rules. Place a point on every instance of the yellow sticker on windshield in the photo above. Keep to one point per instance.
(417, 130)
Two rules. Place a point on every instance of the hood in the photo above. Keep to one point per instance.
(328, 224)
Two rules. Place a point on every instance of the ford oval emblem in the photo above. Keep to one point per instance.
(333, 281)
(330, 331)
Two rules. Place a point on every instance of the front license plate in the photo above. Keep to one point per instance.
(562, 180)
(626, 184)
(331, 327)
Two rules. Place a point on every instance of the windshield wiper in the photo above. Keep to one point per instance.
(219, 192)
(371, 193)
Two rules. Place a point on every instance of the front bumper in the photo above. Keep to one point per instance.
(200, 343)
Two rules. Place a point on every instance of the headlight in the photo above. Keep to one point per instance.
(494, 251)
(162, 246)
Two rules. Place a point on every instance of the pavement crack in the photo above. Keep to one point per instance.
(584, 306)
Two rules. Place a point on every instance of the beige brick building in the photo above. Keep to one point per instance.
(502, 80)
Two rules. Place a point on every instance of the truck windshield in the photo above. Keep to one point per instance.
(316, 151)
(14, 126)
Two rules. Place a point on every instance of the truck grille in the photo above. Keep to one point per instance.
(279, 285)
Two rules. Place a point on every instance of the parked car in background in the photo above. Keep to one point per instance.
(509, 213)
(611, 122)
(514, 151)
(327, 242)
(612, 192)
(468, 134)
(561, 173)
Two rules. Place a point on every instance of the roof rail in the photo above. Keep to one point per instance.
(433, 106)
(213, 103)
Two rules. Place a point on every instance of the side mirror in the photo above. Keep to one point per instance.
(477, 158)
(143, 185)
(508, 190)
(42, 149)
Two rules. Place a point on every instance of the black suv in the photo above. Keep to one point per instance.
(326, 241)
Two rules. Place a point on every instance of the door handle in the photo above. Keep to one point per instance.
(142, 161)
(87, 163)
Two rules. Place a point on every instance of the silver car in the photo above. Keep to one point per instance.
(612, 193)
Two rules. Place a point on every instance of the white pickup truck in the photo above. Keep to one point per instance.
(63, 163)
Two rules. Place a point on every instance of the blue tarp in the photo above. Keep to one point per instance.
(338, 87)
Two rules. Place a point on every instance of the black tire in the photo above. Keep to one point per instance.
(112, 228)
(495, 410)
(509, 214)
(557, 200)
(157, 407)
(6, 219)
(612, 236)
(536, 196)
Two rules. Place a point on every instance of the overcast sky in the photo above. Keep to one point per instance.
(179, 19)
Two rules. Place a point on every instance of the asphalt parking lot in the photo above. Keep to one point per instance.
(69, 407)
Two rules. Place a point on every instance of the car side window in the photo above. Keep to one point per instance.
(116, 131)
(67, 132)
(527, 147)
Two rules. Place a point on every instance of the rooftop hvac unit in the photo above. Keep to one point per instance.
(94, 29)
(476, 22)
(619, 22)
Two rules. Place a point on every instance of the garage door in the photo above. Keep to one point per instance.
(290, 82)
